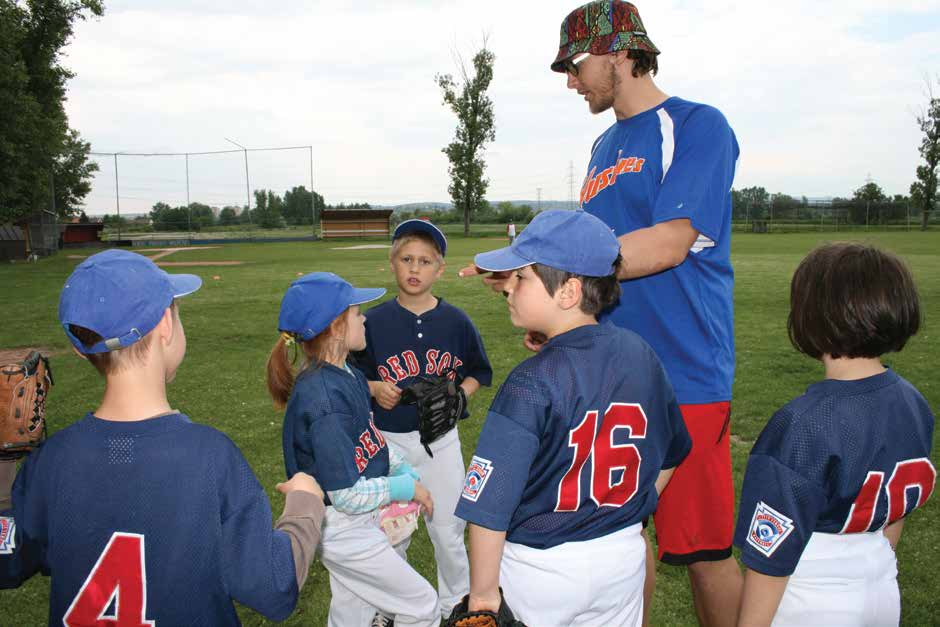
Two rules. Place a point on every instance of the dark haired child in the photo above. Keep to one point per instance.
(835, 472)
(577, 445)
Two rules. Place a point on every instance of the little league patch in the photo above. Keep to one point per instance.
(7, 535)
(769, 528)
(477, 475)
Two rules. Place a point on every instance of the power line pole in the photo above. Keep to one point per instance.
(247, 183)
(313, 210)
(538, 192)
(571, 184)
(189, 208)
(117, 195)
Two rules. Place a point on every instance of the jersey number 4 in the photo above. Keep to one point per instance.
(118, 577)
(588, 441)
(910, 474)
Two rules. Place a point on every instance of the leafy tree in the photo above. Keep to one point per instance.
(297, 209)
(924, 189)
(83, 218)
(39, 153)
(266, 213)
(200, 216)
(862, 200)
(750, 202)
(228, 216)
(508, 212)
(475, 127)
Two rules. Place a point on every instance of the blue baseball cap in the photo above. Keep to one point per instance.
(417, 225)
(119, 295)
(314, 300)
(573, 241)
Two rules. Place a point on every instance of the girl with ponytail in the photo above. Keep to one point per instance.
(328, 433)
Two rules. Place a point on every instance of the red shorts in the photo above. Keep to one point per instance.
(695, 517)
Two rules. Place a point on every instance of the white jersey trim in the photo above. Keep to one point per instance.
(669, 141)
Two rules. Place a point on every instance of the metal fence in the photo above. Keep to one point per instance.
(798, 216)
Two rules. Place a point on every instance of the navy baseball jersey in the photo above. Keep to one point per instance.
(674, 161)
(400, 346)
(846, 457)
(159, 521)
(574, 441)
(328, 429)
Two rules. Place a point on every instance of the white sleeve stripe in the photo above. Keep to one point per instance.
(669, 141)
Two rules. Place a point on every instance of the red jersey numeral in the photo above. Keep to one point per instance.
(119, 576)
(608, 458)
(916, 473)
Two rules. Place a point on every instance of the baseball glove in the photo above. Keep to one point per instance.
(440, 401)
(462, 617)
(399, 520)
(24, 386)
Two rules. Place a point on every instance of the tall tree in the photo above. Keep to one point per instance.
(924, 189)
(476, 126)
(43, 163)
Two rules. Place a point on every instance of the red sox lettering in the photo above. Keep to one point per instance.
(406, 365)
(372, 442)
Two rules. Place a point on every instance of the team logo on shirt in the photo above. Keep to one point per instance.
(477, 475)
(7, 535)
(769, 528)
(595, 183)
(407, 364)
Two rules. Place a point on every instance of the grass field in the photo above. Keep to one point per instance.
(231, 326)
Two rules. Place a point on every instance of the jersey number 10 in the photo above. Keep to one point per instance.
(916, 473)
(587, 441)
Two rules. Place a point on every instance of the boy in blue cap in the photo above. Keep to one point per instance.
(414, 335)
(576, 447)
(140, 516)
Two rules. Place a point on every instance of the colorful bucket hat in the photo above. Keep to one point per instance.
(601, 28)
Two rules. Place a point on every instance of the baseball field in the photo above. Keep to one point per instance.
(231, 325)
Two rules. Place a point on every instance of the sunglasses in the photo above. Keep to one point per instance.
(571, 64)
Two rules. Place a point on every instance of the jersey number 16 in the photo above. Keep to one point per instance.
(588, 441)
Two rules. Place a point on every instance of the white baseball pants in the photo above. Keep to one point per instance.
(367, 574)
(443, 475)
(595, 583)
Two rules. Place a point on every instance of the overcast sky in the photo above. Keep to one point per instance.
(820, 94)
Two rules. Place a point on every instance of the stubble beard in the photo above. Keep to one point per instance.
(604, 94)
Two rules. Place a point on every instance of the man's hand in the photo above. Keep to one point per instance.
(495, 280)
(385, 394)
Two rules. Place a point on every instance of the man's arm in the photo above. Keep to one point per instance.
(656, 248)
(486, 552)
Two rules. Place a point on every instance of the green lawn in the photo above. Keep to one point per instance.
(231, 326)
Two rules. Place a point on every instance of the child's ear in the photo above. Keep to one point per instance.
(569, 294)
(165, 327)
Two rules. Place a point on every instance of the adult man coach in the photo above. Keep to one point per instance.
(661, 178)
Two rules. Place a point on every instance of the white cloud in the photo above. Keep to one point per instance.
(819, 94)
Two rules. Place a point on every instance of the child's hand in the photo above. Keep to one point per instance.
(386, 394)
(423, 498)
(534, 340)
(303, 482)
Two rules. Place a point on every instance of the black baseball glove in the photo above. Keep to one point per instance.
(462, 617)
(440, 402)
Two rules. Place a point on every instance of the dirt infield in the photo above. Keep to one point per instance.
(164, 252)
(183, 264)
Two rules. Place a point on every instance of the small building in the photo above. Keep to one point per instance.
(336, 223)
(78, 234)
(12, 242)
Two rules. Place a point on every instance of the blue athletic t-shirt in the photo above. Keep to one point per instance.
(846, 457)
(574, 441)
(155, 520)
(674, 161)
